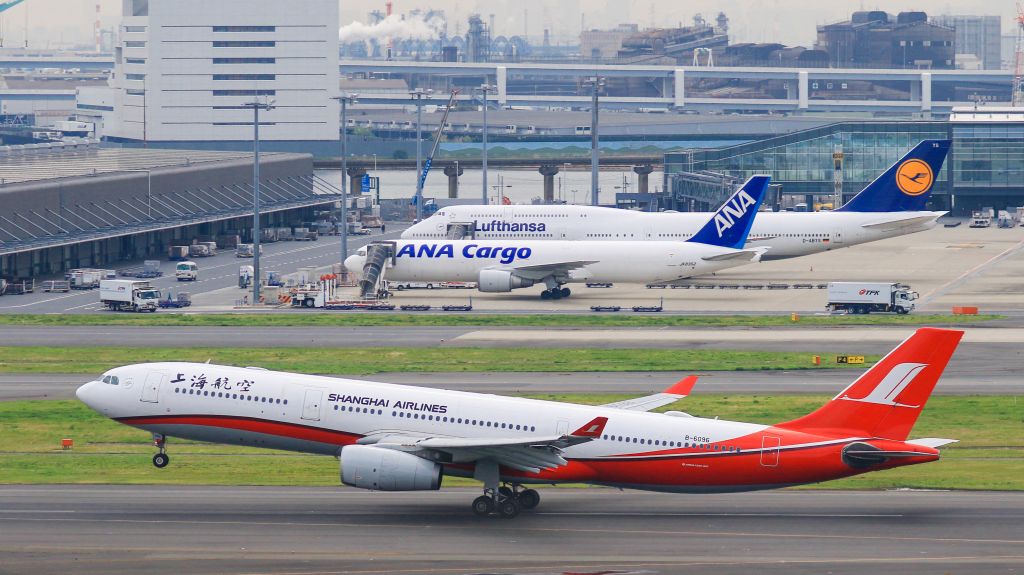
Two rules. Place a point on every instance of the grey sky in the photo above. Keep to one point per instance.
(787, 21)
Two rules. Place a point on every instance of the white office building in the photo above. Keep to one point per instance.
(184, 70)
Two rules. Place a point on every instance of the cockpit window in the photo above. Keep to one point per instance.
(111, 379)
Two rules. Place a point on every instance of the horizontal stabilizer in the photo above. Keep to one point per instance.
(934, 442)
(751, 254)
(897, 223)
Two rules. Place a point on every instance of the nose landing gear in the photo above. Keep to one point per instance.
(160, 460)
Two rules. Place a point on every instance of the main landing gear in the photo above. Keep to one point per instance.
(160, 460)
(506, 501)
(554, 289)
(555, 293)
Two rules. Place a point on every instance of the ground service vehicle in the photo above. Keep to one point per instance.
(405, 438)
(129, 295)
(866, 297)
(186, 271)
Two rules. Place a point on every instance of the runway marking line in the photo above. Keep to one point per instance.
(939, 291)
(539, 529)
(601, 565)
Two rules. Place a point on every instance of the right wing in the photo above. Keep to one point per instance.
(649, 402)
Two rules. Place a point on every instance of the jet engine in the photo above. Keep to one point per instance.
(381, 469)
(501, 281)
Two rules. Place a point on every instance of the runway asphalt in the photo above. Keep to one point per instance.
(259, 530)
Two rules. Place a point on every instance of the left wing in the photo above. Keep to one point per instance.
(541, 271)
(528, 454)
(649, 402)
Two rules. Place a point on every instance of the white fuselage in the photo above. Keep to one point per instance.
(786, 234)
(321, 415)
(598, 261)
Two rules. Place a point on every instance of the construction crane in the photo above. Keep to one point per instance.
(1018, 74)
(5, 6)
(437, 138)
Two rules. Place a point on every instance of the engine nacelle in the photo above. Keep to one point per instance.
(381, 469)
(501, 281)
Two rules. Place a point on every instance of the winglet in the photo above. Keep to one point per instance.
(683, 386)
(729, 226)
(591, 429)
(907, 185)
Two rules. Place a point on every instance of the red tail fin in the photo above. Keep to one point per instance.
(888, 398)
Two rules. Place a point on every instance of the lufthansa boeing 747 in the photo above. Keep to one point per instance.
(892, 205)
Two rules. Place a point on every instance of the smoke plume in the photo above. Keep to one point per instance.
(392, 27)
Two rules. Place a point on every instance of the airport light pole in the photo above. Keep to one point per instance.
(418, 95)
(485, 89)
(596, 83)
(256, 105)
(344, 100)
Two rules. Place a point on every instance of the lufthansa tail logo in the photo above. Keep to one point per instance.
(914, 177)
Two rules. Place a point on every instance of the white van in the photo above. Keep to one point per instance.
(186, 271)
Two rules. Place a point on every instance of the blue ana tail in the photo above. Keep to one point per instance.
(907, 185)
(730, 225)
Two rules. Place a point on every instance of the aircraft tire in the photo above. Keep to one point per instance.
(566, 292)
(529, 499)
(508, 508)
(483, 506)
(506, 492)
(160, 460)
(545, 294)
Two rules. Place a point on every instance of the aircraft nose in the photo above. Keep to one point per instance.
(354, 264)
(86, 393)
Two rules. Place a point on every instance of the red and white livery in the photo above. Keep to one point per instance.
(396, 437)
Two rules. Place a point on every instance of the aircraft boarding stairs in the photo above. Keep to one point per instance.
(378, 256)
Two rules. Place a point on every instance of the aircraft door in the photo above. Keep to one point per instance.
(151, 390)
(461, 231)
(563, 428)
(311, 404)
(770, 450)
(837, 236)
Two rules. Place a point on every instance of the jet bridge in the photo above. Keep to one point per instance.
(379, 255)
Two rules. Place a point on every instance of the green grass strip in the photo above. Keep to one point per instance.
(361, 319)
(362, 361)
(990, 454)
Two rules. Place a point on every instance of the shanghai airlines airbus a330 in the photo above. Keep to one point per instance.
(892, 205)
(402, 438)
(505, 265)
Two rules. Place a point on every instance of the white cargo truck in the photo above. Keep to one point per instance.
(866, 297)
(129, 295)
(186, 271)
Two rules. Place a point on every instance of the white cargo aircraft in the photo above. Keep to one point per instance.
(504, 265)
(892, 205)
(403, 438)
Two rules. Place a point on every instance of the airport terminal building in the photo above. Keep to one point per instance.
(985, 166)
(65, 206)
